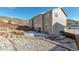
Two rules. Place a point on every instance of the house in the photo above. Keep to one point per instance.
(72, 22)
(72, 27)
(50, 22)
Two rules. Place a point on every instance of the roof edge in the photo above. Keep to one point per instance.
(63, 11)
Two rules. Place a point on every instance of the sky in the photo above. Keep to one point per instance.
(29, 12)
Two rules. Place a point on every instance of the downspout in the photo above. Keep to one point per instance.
(43, 22)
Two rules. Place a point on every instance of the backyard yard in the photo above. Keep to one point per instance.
(22, 41)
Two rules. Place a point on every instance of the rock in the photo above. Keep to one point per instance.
(6, 45)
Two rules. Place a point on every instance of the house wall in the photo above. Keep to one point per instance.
(30, 23)
(58, 21)
(37, 22)
(53, 21)
(48, 22)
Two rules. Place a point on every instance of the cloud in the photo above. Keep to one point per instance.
(11, 7)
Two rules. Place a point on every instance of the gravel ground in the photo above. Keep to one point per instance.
(13, 42)
(5, 45)
(67, 42)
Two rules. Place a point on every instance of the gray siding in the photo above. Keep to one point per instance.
(37, 22)
(59, 20)
(48, 22)
(30, 23)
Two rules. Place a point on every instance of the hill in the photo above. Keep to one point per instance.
(15, 21)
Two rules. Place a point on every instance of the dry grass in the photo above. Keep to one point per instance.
(17, 32)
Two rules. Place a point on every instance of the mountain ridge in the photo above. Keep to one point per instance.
(16, 21)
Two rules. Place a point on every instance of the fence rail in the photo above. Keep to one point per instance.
(73, 31)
